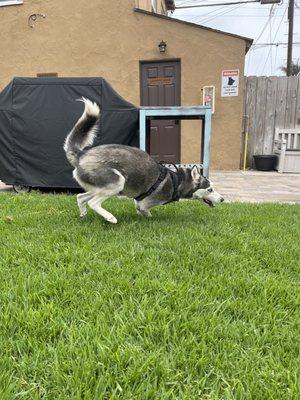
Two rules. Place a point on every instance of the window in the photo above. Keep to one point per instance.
(10, 2)
(154, 5)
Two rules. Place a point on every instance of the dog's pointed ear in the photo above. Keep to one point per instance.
(196, 175)
(204, 182)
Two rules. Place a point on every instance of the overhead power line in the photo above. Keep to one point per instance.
(236, 16)
(219, 4)
(217, 10)
(274, 38)
(273, 44)
(270, 49)
(266, 25)
(220, 14)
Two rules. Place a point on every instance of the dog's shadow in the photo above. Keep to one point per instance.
(165, 215)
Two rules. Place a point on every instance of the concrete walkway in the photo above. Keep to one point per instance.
(257, 186)
(250, 186)
(4, 188)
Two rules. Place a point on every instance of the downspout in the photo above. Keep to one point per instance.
(246, 136)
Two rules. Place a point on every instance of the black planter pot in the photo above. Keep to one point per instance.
(265, 162)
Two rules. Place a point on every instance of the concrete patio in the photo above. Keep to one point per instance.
(4, 188)
(257, 186)
(250, 186)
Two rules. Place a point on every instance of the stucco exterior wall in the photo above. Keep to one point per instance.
(95, 39)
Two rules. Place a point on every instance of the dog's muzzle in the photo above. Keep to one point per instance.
(208, 202)
(210, 198)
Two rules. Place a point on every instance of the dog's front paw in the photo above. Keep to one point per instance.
(144, 213)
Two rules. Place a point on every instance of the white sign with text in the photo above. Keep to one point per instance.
(230, 82)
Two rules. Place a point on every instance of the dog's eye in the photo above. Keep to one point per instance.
(209, 190)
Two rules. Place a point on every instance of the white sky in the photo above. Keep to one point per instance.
(253, 21)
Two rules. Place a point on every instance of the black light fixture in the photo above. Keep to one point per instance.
(33, 18)
(162, 46)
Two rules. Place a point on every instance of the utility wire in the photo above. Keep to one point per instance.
(218, 4)
(263, 29)
(196, 17)
(235, 15)
(220, 14)
(274, 38)
(268, 55)
(190, 2)
(259, 36)
(203, 16)
(260, 45)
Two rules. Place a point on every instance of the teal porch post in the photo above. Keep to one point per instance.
(206, 144)
(143, 130)
(192, 112)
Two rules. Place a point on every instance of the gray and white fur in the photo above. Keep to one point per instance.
(110, 170)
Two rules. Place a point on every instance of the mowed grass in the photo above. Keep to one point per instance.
(195, 303)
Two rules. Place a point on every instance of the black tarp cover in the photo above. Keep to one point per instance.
(36, 114)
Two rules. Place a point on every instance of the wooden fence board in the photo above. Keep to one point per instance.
(297, 117)
(290, 113)
(270, 115)
(261, 99)
(251, 85)
(270, 103)
(281, 101)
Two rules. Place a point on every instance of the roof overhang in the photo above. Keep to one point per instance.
(247, 40)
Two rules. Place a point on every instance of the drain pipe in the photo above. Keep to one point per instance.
(246, 136)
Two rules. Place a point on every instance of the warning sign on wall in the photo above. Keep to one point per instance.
(230, 82)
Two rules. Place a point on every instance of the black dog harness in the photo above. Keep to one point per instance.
(164, 171)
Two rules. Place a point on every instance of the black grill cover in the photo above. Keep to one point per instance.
(36, 114)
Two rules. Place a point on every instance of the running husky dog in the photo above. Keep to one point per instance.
(111, 170)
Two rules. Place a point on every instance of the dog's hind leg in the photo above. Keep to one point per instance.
(96, 205)
(82, 200)
(104, 193)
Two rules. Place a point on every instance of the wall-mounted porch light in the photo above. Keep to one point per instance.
(162, 46)
(33, 18)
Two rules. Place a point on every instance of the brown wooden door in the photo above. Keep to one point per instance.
(160, 86)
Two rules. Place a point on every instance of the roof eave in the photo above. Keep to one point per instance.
(176, 20)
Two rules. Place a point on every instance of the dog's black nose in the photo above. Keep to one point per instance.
(222, 199)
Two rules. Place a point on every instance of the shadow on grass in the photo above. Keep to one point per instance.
(127, 216)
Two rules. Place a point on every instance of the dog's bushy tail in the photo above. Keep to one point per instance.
(83, 132)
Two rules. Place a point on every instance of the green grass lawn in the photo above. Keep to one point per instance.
(195, 303)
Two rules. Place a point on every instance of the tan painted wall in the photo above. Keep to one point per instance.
(95, 39)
